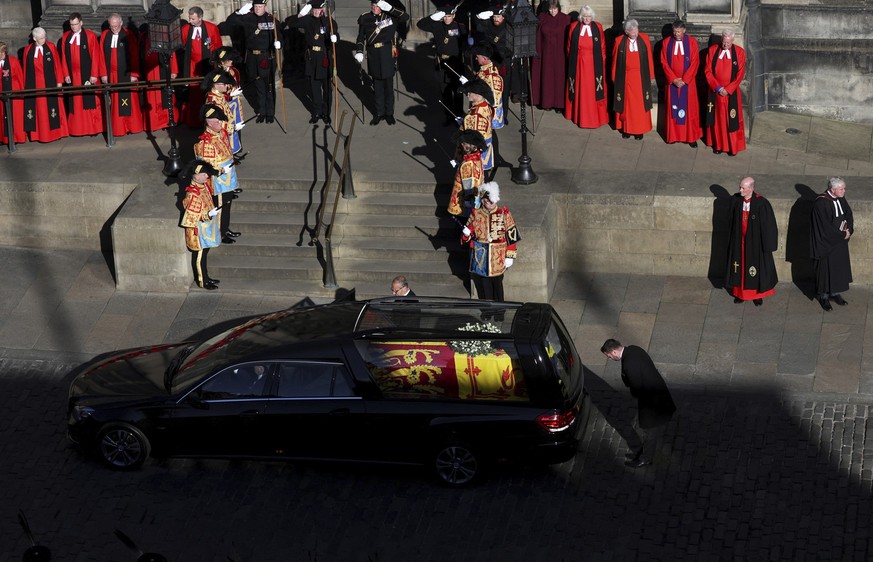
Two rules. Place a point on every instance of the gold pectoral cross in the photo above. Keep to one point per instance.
(736, 267)
(709, 107)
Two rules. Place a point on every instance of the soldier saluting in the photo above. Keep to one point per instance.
(320, 31)
(447, 34)
(376, 32)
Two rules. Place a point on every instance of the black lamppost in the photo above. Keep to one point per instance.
(165, 38)
(524, 45)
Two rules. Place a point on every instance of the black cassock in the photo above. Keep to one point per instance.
(833, 269)
(751, 266)
(654, 403)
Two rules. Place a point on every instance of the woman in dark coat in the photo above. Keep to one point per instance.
(549, 67)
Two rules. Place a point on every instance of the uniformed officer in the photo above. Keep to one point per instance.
(260, 33)
(213, 147)
(493, 28)
(376, 34)
(199, 220)
(447, 36)
(321, 32)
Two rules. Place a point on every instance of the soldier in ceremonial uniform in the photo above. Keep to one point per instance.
(376, 34)
(492, 236)
(120, 64)
(492, 28)
(213, 148)
(225, 58)
(833, 225)
(480, 116)
(260, 32)
(489, 74)
(44, 117)
(80, 50)
(218, 85)
(11, 78)
(469, 174)
(199, 39)
(321, 33)
(447, 35)
(199, 221)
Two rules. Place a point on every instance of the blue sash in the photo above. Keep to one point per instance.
(497, 121)
(226, 182)
(236, 117)
(679, 96)
(208, 232)
(488, 156)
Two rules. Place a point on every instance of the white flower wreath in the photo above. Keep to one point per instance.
(475, 347)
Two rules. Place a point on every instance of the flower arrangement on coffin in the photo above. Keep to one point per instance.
(475, 347)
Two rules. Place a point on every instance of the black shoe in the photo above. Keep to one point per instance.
(260, 119)
(738, 300)
(213, 281)
(228, 240)
(825, 304)
(758, 302)
(714, 151)
(230, 196)
(625, 136)
(693, 144)
(375, 120)
(233, 234)
(390, 119)
(209, 286)
(839, 300)
(270, 119)
(637, 463)
(633, 456)
(313, 120)
(237, 190)
(326, 119)
(638, 137)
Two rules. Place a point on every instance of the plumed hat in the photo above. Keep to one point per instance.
(217, 76)
(212, 111)
(490, 191)
(474, 138)
(478, 86)
(482, 49)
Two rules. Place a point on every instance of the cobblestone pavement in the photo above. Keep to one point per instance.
(740, 477)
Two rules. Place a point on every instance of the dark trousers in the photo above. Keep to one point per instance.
(198, 264)
(321, 95)
(649, 441)
(384, 93)
(489, 288)
(224, 219)
(261, 69)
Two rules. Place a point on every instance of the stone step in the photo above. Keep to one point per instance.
(418, 248)
(367, 203)
(315, 290)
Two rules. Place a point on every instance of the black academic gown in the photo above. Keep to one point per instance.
(755, 270)
(829, 244)
(639, 374)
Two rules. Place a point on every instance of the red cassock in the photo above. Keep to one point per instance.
(636, 119)
(44, 116)
(12, 78)
(81, 56)
(121, 64)
(154, 103)
(718, 136)
(196, 54)
(582, 106)
(549, 67)
(681, 59)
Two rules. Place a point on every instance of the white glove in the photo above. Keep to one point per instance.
(384, 6)
(236, 92)
(509, 262)
(225, 170)
(459, 120)
(437, 16)
(485, 15)
(453, 163)
(463, 79)
(212, 212)
(277, 44)
(239, 126)
(359, 57)
(467, 231)
(305, 10)
(244, 9)
(333, 38)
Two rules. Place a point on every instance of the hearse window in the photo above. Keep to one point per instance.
(466, 369)
(311, 380)
(240, 381)
(561, 355)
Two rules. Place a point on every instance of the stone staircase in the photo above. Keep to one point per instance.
(373, 240)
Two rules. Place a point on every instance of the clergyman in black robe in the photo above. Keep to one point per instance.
(832, 227)
(751, 271)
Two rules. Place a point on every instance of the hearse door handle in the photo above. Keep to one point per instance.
(340, 412)
(250, 413)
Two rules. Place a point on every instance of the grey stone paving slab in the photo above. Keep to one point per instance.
(844, 379)
(570, 312)
(840, 345)
(643, 294)
(753, 373)
(718, 329)
(759, 346)
(770, 129)
(69, 325)
(851, 140)
(691, 290)
(798, 353)
(572, 285)
(126, 303)
(635, 327)
(675, 312)
(107, 334)
(675, 342)
(715, 363)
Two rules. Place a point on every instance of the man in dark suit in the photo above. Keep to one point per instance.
(400, 287)
(655, 406)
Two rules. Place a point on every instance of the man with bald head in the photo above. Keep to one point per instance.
(751, 271)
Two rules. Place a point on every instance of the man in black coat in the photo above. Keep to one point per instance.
(751, 271)
(321, 33)
(447, 35)
(832, 227)
(376, 31)
(655, 406)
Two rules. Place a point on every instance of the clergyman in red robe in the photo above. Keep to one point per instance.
(44, 117)
(680, 59)
(121, 65)
(11, 78)
(725, 69)
(586, 76)
(80, 51)
(632, 73)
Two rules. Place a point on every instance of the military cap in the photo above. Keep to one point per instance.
(478, 86)
(473, 138)
(217, 76)
(256, 2)
(482, 49)
(212, 111)
(225, 53)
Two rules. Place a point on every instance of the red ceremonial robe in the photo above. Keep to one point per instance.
(718, 136)
(154, 103)
(120, 67)
(12, 78)
(39, 122)
(82, 60)
(549, 68)
(196, 55)
(582, 106)
(636, 119)
(675, 66)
